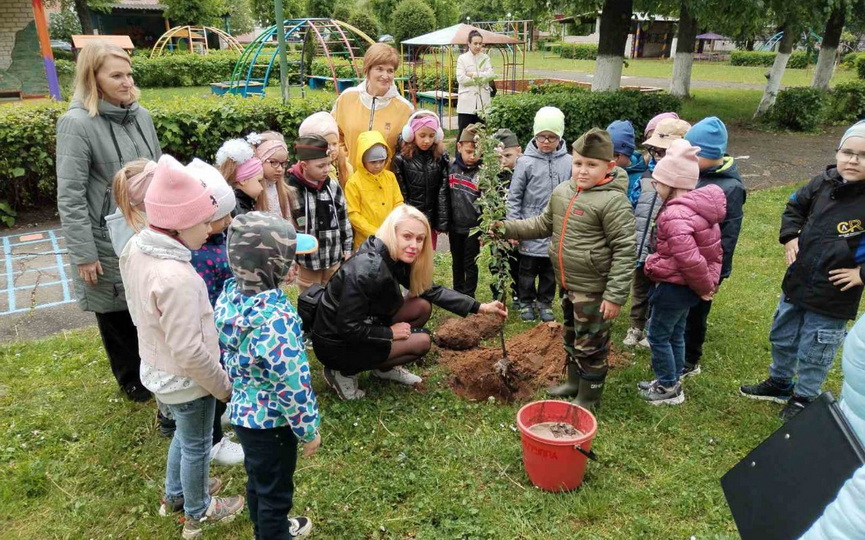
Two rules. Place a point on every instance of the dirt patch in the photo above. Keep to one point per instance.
(537, 361)
(461, 334)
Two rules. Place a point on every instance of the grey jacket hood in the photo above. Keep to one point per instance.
(535, 177)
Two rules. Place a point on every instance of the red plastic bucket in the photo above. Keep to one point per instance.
(556, 464)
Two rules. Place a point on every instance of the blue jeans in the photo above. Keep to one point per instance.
(189, 454)
(667, 339)
(270, 456)
(803, 342)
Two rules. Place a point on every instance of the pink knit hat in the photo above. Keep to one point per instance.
(653, 123)
(679, 169)
(176, 200)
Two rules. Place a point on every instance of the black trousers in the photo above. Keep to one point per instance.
(270, 457)
(464, 250)
(463, 121)
(542, 269)
(513, 270)
(120, 339)
(695, 332)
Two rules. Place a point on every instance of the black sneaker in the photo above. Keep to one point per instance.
(299, 526)
(690, 371)
(137, 393)
(793, 407)
(527, 313)
(767, 390)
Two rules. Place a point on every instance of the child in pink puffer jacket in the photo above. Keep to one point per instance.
(685, 265)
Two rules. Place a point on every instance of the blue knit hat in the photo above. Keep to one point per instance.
(710, 134)
(622, 134)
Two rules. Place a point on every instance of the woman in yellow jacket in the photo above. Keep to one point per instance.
(372, 191)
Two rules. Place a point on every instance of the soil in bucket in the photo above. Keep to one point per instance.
(537, 361)
(556, 437)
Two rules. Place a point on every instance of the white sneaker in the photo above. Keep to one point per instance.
(633, 337)
(226, 452)
(345, 386)
(644, 343)
(398, 374)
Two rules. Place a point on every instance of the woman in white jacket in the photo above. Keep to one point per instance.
(474, 73)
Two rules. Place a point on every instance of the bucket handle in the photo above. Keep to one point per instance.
(588, 453)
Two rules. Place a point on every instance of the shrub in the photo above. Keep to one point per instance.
(583, 110)
(60, 54)
(847, 103)
(860, 67)
(799, 108)
(579, 51)
(798, 60)
(556, 88)
(412, 18)
(849, 60)
(187, 128)
(365, 22)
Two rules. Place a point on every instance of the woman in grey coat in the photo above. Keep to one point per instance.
(104, 129)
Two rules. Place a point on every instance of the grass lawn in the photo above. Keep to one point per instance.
(83, 463)
(702, 71)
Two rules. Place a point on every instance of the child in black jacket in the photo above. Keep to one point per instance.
(459, 213)
(421, 167)
(823, 284)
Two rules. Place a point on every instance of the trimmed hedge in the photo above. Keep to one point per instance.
(799, 108)
(187, 128)
(860, 67)
(848, 102)
(849, 60)
(798, 60)
(583, 110)
(576, 51)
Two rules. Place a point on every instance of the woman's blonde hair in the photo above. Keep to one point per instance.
(133, 215)
(421, 274)
(378, 54)
(90, 61)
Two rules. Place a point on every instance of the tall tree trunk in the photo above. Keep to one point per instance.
(84, 16)
(829, 48)
(680, 85)
(615, 25)
(785, 49)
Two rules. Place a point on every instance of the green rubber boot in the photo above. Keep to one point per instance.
(589, 396)
(571, 386)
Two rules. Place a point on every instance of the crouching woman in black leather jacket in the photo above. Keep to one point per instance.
(364, 322)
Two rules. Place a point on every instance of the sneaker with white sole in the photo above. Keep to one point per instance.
(768, 390)
(226, 452)
(633, 337)
(173, 505)
(299, 527)
(644, 343)
(657, 394)
(690, 371)
(345, 386)
(220, 510)
(398, 374)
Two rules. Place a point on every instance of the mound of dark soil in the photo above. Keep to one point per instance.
(460, 334)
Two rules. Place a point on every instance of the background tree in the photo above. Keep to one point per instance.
(83, 9)
(366, 22)
(193, 12)
(241, 18)
(447, 13)
(829, 45)
(319, 8)
(615, 25)
(683, 58)
(263, 10)
(342, 12)
(383, 10)
(794, 18)
(64, 24)
(412, 18)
